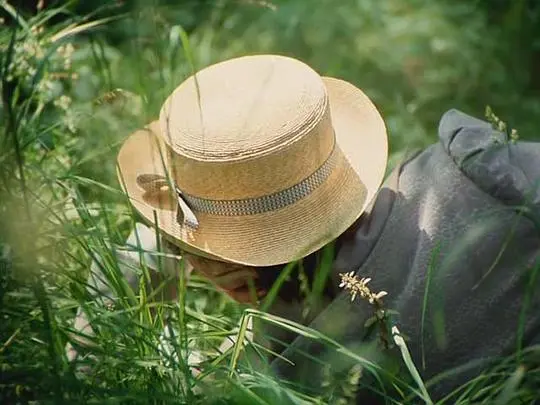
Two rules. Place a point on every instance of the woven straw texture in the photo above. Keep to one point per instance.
(248, 128)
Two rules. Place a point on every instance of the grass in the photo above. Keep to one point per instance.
(69, 97)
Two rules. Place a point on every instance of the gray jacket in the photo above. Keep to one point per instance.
(465, 215)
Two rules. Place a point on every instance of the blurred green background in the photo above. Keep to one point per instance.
(414, 58)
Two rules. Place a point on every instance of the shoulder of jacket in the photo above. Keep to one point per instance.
(506, 169)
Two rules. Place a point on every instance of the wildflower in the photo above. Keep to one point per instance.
(68, 54)
(69, 121)
(380, 295)
(37, 30)
(63, 102)
(514, 135)
(397, 337)
(69, 49)
(356, 286)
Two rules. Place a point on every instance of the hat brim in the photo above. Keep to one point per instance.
(284, 235)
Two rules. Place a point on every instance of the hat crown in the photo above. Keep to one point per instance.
(247, 127)
(242, 108)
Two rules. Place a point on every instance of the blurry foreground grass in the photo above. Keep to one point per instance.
(69, 98)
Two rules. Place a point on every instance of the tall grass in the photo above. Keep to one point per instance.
(68, 100)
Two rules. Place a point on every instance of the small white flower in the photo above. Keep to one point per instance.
(69, 49)
(63, 102)
(380, 295)
(397, 337)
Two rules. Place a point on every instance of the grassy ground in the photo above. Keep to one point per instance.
(74, 86)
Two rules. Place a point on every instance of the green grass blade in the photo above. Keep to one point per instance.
(511, 386)
(406, 355)
(272, 294)
(75, 29)
(239, 343)
(432, 262)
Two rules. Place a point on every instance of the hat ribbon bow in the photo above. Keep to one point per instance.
(153, 183)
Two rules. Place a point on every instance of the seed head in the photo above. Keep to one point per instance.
(356, 286)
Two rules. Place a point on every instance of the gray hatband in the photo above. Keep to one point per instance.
(187, 204)
(271, 202)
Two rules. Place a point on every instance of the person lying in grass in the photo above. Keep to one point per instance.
(257, 162)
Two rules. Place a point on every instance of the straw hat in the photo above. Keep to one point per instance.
(256, 160)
